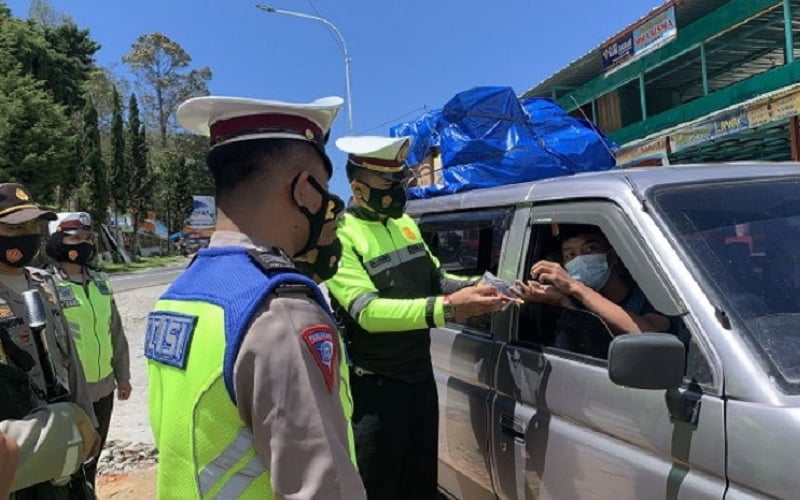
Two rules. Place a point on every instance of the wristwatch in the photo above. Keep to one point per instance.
(449, 309)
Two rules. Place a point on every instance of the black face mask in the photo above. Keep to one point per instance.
(315, 220)
(19, 251)
(322, 262)
(390, 202)
(80, 253)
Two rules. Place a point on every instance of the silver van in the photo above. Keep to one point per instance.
(710, 409)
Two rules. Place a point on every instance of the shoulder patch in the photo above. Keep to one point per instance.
(169, 337)
(5, 311)
(321, 341)
(102, 287)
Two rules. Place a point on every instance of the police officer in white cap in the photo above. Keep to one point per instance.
(247, 382)
(389, 291)
(91, 313)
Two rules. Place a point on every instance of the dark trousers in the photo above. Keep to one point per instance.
(396, 426)
(102, 410)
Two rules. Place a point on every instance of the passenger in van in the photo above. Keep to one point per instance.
(592, 278)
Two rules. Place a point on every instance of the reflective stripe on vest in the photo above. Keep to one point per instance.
(89, 321)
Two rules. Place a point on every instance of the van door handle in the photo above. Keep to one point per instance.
(512, 427)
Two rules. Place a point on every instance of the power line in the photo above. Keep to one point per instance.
(393, 120)
(330, 31)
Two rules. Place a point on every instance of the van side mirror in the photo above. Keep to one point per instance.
(647, 361)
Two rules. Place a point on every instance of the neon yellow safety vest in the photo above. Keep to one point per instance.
(388, 292)
(88, 311)
(205, 450)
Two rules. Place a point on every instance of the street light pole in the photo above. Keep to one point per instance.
(273, 10)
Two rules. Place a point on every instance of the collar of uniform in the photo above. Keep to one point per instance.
(237, 239)
(364, 214)
(84, 277)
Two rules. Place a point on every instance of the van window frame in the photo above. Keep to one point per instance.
(634, 252)
(496, 218)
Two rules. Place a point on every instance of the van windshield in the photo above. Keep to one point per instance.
(743, 238)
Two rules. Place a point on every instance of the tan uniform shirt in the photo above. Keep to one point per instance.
(49, 440)
(63, 354)
(120, 361)
(299, 428)
(51, 447)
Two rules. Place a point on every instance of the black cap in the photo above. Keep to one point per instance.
(17, 205)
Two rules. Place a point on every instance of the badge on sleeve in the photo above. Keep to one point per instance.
(321, 341)
(168, 337)
(5, 310)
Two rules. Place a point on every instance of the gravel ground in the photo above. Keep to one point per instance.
(129, 421)
(130, 442)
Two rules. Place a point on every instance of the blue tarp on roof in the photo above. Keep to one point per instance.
(488, 137)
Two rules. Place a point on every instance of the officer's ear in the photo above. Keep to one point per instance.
(360, 190)
(304, 193)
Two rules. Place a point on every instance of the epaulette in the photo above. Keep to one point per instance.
(96, 274)
(271, 260)
(37, 274)
(288, 289)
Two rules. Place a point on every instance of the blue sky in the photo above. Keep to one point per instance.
(405, 54)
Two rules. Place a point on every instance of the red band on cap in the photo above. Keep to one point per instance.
(376, 161)
(275, 123)
(72, 224)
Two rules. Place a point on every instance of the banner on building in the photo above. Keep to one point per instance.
(654, 32)
(617, 51)
(715, 127)
(652, 150)
(777, 107)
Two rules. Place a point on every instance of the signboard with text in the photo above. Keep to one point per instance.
(654, 32)
(653, 150)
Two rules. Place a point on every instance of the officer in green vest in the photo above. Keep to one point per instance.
(247, 378)
(45, 407)
(91, 313)
(388, 292)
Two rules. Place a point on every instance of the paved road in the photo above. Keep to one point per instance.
(150, 277)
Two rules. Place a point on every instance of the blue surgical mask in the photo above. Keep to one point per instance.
(592, 270)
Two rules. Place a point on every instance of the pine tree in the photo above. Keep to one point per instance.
(141, 178)
(36, 139)
(95, 168)
(119, 178)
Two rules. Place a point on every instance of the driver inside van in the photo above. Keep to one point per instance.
(594, 279)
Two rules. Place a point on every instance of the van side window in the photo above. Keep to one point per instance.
(457, 250)
(467, 245)
(579, 294)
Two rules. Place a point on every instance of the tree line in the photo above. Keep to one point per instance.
(83, 137)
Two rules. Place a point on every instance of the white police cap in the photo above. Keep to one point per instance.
(70, 222)
(384, 156)
(231, 119)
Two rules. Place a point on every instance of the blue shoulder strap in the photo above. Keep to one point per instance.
(238, 282)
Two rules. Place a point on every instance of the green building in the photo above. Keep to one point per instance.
(693, 81)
